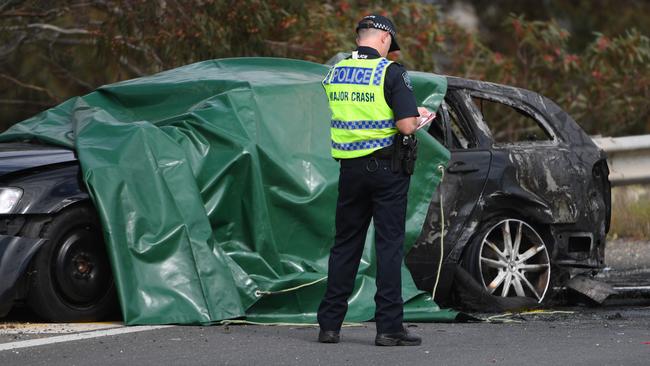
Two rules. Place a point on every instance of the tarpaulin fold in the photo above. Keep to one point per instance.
(215, 186)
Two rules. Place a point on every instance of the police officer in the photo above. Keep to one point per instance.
(371, 99)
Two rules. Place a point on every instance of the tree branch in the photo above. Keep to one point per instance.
(4, 4)
(50, 27)
(134, 69)
(29, 86)
(145, 49)
(25, 102)
(54, 28)
(52, 61)
(9, 47)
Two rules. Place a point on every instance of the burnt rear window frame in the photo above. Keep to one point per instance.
(521, 107)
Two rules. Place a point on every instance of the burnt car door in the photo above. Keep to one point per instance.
(461, 189)
(532, 161)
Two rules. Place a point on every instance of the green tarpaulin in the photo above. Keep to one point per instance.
(216, 188)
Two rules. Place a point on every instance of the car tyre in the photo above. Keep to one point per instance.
(508, 257)
(70, 276)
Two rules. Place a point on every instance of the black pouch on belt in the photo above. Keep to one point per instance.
(410, 144)
(404, 154)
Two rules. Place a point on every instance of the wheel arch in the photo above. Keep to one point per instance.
(56, 223)
(524, 204)
(541, 223)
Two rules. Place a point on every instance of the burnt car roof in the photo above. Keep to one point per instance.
(555, 115)
(533, 99)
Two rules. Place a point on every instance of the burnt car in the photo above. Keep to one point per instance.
(526, 198)
(525, 195)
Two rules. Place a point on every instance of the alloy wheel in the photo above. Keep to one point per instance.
(514, 261)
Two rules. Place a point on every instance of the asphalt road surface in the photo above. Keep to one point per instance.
(604, 336)
(617, 333)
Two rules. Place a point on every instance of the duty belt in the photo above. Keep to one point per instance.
(385, 153)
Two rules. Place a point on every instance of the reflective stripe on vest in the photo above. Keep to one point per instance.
(361, 125)
(363, 145)
(362, 121)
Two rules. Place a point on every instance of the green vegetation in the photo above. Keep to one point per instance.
(52, 50)
(630, 212)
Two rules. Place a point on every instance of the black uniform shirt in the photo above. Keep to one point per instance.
(397, 87)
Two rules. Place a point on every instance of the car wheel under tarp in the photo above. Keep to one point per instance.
(70, 277)
(509, 258)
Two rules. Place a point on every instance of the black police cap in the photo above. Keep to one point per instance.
(380, 22)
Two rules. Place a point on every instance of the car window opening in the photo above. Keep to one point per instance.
(509, 124)
(458, 135)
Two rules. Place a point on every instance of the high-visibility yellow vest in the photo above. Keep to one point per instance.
(362, 121)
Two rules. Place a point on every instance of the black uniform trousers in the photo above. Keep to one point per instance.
(367, 189)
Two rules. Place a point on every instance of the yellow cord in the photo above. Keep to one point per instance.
(546, 312)
(441, 168)
(260, 293)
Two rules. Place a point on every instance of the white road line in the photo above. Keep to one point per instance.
(78, 336)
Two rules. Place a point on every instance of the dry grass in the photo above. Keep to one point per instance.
(630, 212)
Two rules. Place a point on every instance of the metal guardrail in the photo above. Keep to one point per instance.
(628, 158)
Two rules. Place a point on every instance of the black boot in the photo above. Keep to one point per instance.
(328, 336)
(403, 338)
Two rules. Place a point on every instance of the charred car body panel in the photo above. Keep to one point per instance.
(557, 182)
